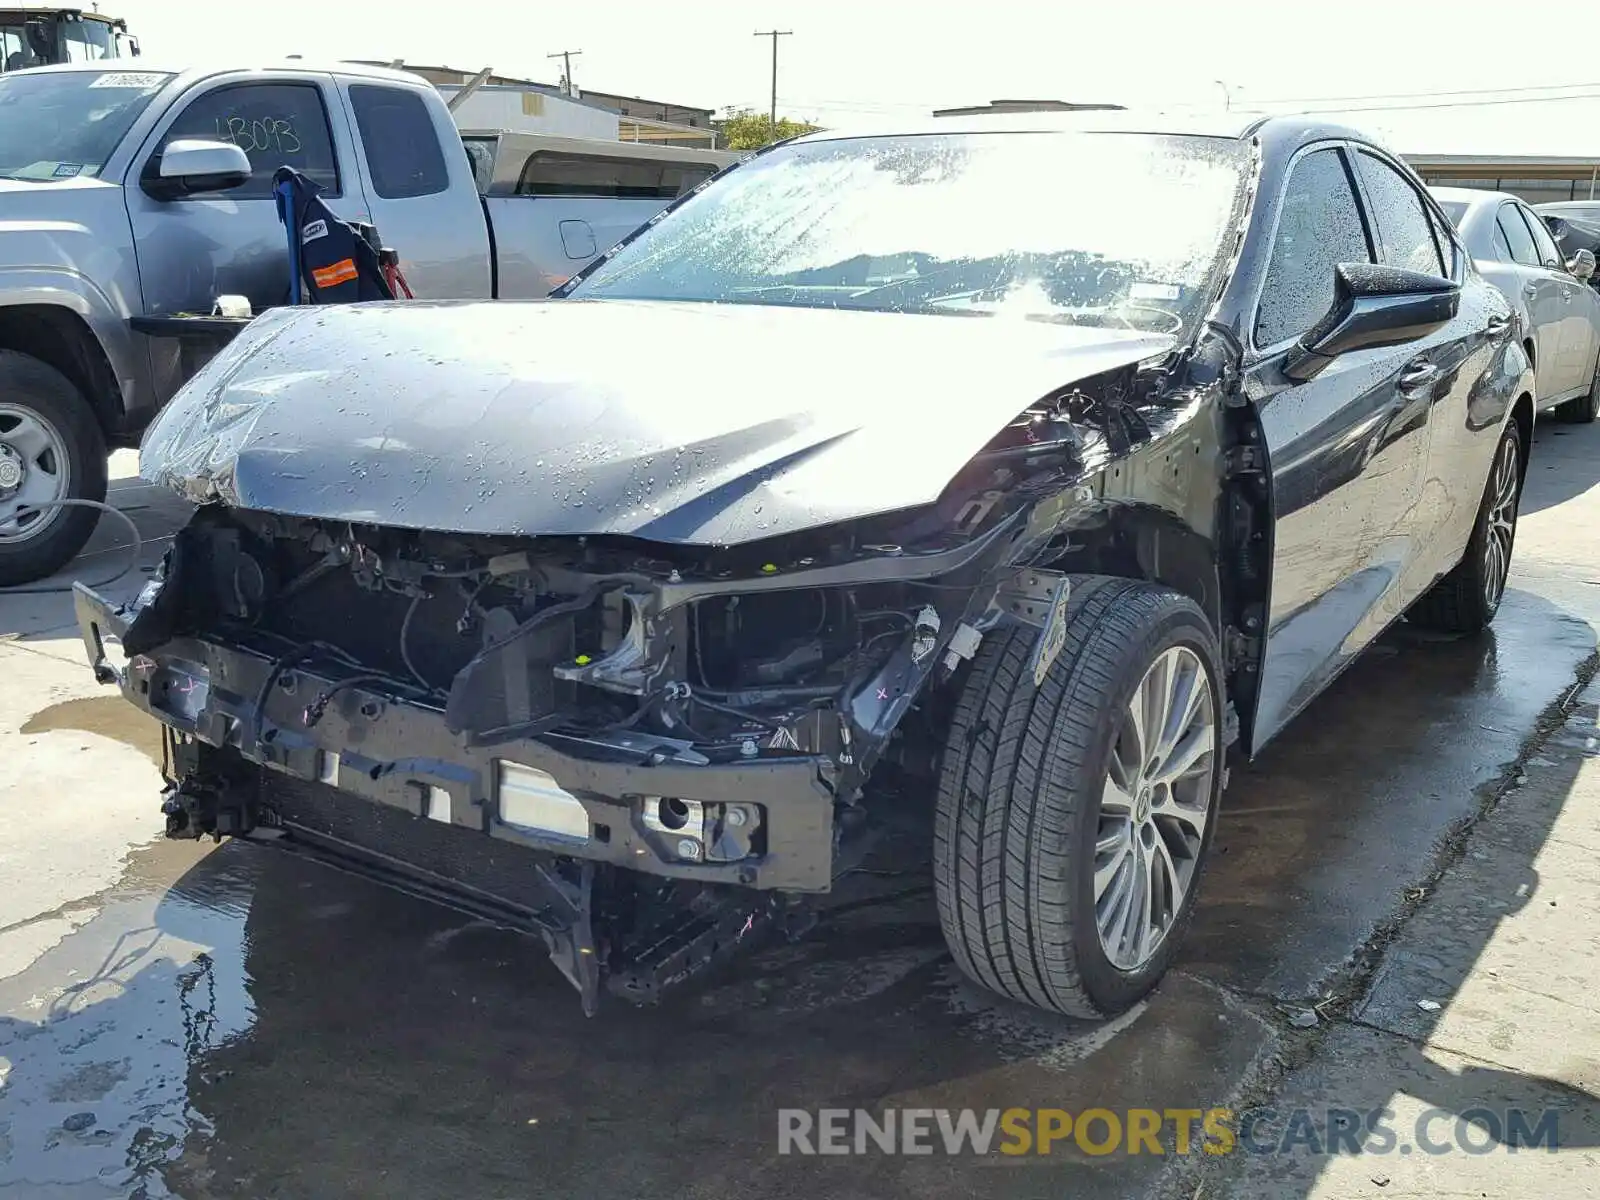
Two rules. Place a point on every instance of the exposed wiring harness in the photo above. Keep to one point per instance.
(136, 549)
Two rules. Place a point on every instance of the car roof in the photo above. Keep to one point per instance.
(1230, 125)
(142, 65)
(1560, 206)
(1470, 196)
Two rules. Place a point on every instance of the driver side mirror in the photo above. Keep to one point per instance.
(1581, 265)
(1373, 306)
(190, 166)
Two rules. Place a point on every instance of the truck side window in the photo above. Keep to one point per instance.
(402, 147)
(275, 124)
(549, 173)
(1319, 228)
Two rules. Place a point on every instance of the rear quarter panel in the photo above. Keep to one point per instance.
(537, 255)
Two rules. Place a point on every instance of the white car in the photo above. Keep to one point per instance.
(1560, 312)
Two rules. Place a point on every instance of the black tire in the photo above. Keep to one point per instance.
(1466, 599)
(26, 383)
(1584, 409)
(1020, 792)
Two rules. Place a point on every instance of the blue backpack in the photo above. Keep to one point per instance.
(332, 260)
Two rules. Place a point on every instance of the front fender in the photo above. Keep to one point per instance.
(62, 287)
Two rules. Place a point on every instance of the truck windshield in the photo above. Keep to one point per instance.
(1125, 230)
(58, 125)
(88, 40)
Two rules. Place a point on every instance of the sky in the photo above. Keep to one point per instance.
(870, 60)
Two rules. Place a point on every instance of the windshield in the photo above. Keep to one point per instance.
(88, 40)
(1114, 229)
(61, 124)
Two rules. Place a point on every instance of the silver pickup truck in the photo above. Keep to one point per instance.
(128, 197)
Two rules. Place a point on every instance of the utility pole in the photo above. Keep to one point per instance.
(566, 67)
(774, 34)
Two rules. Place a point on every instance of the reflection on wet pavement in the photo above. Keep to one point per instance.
(99, 1035)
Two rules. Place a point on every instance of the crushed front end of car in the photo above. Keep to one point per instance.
(646, 747)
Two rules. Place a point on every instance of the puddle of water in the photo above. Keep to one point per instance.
(109, 716)
(99, 1035)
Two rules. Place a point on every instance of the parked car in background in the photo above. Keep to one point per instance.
(1574, 230)
(1558, 311)
(1043, 459)
(130, 195)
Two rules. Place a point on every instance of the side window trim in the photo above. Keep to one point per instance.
(367, 153)
(1541, 239)
(1342, 149)
(1516, 221)
(1420, 194)
(155, 143)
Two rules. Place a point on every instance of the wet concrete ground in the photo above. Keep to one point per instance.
(227, 1021)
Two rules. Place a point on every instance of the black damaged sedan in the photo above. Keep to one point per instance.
(1028, 463)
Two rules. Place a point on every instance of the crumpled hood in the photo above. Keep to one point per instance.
(693, 423)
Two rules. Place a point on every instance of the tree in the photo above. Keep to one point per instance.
(746, 129)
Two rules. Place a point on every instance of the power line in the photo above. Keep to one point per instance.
(1452, 104)
(1545, 87)
(775, 34)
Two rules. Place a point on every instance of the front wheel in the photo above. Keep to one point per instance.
(1466, 599)
(1074, 817)
(51, 449)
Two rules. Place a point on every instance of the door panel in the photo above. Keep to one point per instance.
(1346, 450)
(420, 191)
(193, 249)
(1577, 330)
(1547, 306)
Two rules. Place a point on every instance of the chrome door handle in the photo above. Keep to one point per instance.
(1530, 290)
(1496, 327)
(1418, 375)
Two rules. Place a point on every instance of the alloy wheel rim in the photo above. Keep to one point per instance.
(35, 470)
(1154, 808)
(1501, 531)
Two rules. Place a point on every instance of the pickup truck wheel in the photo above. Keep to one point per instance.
(51, 449)
(1466, 599)
(1073, 819)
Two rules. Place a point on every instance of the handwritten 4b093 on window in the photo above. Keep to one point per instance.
(260, 135)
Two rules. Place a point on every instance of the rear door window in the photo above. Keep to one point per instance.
(1404, 231)
(1319, 227)
(1544, 244)
(275, 124)
(403, 152)
(1515, 231)
(550, 173)
(1502, 248)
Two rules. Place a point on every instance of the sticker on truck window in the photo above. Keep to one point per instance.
(1153, 291)
(129, 79)
(66, 170)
